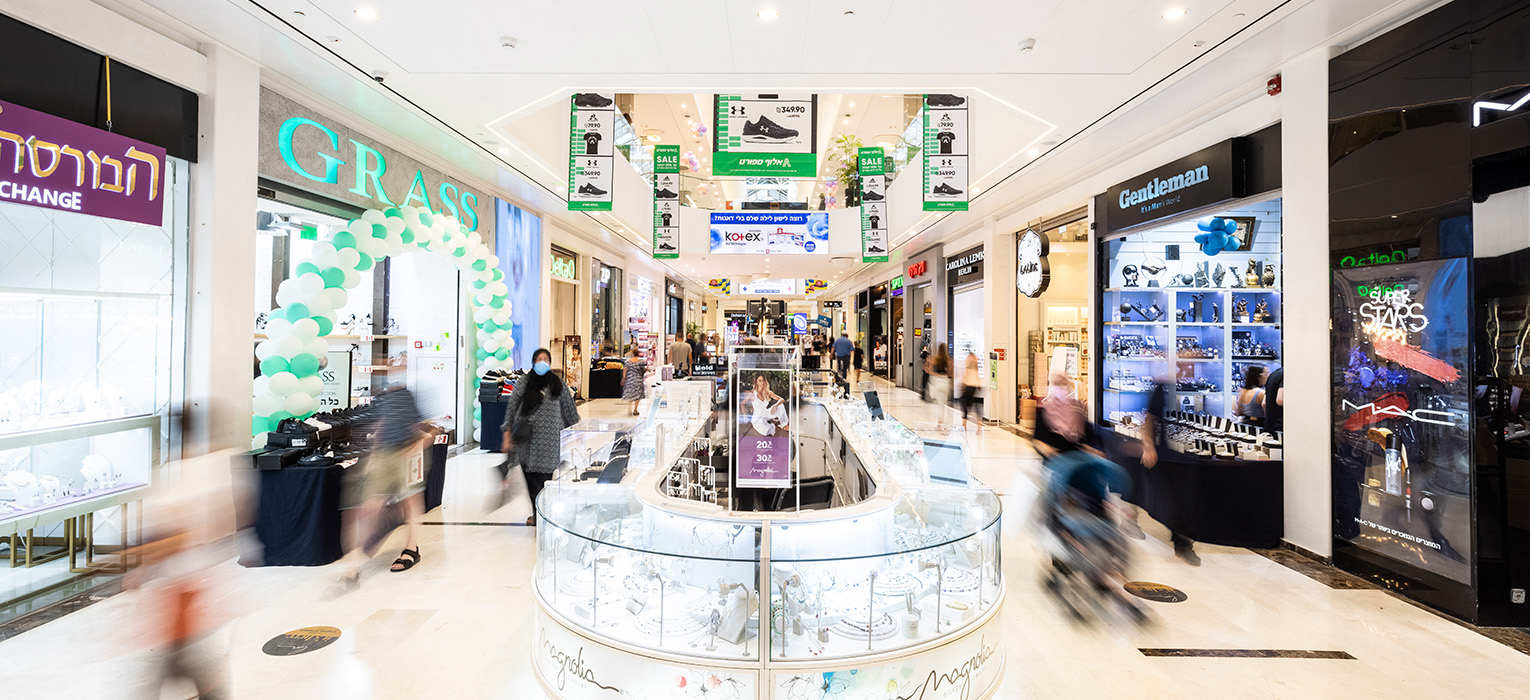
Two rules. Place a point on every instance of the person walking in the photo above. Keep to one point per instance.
(842, 350)
(680, 357)
(972, 379)
(690, 339)
(1275, 401)
(937, 369)
(1250, 404)
(540, 407)
(1155, 444)
(858, 358)
(395, 431)
(634, 379)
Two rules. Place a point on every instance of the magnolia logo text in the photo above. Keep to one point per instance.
(959, 678)
(571, 666)
(1159, 187)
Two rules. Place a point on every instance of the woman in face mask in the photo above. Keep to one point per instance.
(540, 407)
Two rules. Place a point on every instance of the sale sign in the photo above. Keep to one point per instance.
(764, 425)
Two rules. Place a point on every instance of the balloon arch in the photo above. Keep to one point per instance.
(295, 345)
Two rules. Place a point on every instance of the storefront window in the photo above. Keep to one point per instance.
(605, 307)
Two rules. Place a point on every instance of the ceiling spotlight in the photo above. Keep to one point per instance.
(847, 121)
(852, 105)
(1174, 13)
(767, 14)
(1028, 44)
(682, 105)
(366, 13)
(504, 151)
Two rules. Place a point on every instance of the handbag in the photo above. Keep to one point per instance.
(520, 430)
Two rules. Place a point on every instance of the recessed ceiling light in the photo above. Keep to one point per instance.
(767, 14)
(366, 13)
(852, 104)
(1034, 152)
(847, 121)
(504, 151)
(1174, 13)
(682, 105)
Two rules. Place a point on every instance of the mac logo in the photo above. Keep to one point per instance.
(1479, 107)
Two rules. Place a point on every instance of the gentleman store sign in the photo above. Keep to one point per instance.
(591, 129)
(945, 153)
(307, 150)
(1206, 177)
(58, 164)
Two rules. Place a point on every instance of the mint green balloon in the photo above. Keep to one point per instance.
(459, 252)
(344, 239)
(480, 265)
(482, 354)
(333, 277)
(304, 365)
(272, 365)
(394, 211)
(479, 284)
(325, 325)
(304, 268)
(426, 218)
(502, 354)
(407, 236)
(499, 275)
(259, 424)
(497, 302)
(379, 231)
(365, 263)
(297, 312)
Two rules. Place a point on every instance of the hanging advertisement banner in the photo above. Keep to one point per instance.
(945, 153)
(780, 233)
(812, 286)
(782, 286)
(666, 202)
(872, 164)
(721, 285)
(592, 127)
(764, 429)
(59, 164)
(770, 134)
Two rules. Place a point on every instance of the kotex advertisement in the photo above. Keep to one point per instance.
(591, 132)
(766, 134)
(1402, 432)
(770, 233)
(945, 153)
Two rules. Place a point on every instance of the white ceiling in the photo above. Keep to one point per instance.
(1105, 75)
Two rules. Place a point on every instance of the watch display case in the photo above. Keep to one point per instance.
(632, 570)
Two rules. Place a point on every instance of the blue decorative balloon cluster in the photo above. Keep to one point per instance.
(1217, 235)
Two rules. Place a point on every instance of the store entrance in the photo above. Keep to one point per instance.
(967, 337)
(921, 325)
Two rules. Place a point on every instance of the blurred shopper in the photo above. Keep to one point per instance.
(680, 357)
(858, 359)
(937, 369)
(1154, 445)
(372, 490)
(842, 350)
(540, 407)
(972, 380)
(690, 339)
(1275, 401)
(634, 380)
(1250, 404)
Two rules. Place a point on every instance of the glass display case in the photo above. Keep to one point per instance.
(1195, 322)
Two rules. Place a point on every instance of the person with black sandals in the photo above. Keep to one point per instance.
(540, 407)
(394, 430)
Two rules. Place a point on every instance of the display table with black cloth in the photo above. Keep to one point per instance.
(297, 517)
(1217, 501)
(492, 436)
(605, 384)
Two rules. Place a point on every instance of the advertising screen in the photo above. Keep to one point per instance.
(1402, 411)
(764, 428)
(770, 233)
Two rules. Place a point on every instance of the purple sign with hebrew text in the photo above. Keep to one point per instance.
(55, 163)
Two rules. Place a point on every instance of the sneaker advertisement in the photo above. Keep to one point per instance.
(769, 135)
(666, 202)
(872, 164)
(592, 124)
(945, 153)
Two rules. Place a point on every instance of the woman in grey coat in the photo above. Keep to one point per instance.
(548, 407)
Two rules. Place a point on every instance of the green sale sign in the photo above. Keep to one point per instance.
(666, 202)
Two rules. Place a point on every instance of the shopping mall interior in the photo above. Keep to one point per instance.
(764, 349)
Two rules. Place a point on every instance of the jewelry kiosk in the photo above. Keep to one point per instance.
(650, 583)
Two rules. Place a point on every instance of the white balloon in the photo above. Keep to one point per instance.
(477, 435)
(490, 363)
(352, 278)
(306, 329)
(510, 343)
(476, 238)
(265, 349)
(483, 297)
(289, 283)
(311, 385)
(262, 385)
(480, 315)
(373, 216)
(395, 225)
(395, 246)
(278, 328)
(493, 261)
(318, 304)
(348, 258)
(491, 345)
(317, 347)
(298, 403)
(311, 284)
(267, 404)
(289, 346)
(360, 228)
(338, 298)
(482, 370)
(283, 383)
(325, 256)
(499, 289)
(289, 296)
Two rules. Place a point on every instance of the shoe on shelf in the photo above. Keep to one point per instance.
(944, 100)
(590, 99)
(943, 188)
(763, 130)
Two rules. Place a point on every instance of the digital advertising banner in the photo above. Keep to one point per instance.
(764, 429)
(872, 164)
(945, 153)
(592, 128)
(1402, 413)
(766, 135)
(666, 202)
(770, 233)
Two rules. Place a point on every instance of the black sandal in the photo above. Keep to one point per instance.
(402, 564)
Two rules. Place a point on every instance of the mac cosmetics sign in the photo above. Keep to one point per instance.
(1201, 179)
(1032, 271)
(307, 150)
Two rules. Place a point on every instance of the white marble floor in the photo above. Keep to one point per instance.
(458, 625)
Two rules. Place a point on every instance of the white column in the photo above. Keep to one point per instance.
(221, 252)
(999, 302)
(1304, 151)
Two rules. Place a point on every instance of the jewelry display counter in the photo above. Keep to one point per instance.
(649, 590)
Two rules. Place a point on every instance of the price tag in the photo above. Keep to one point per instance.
(363, 400)
(440, 439)
(368, 338)
(365, 369)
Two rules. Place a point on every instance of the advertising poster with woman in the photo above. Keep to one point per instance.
(764, 428)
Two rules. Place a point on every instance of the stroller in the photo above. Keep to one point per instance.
(1089, 553)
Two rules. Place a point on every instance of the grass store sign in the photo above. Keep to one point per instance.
(310, 151)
